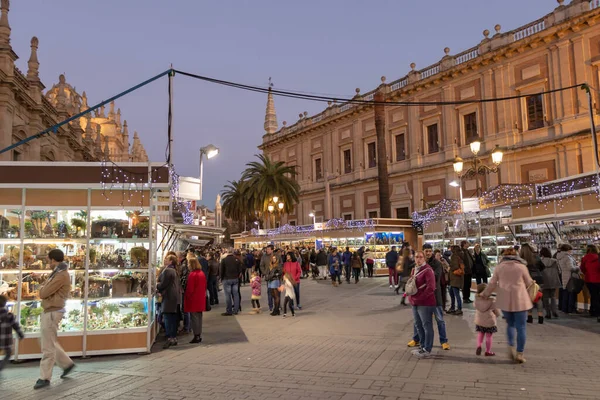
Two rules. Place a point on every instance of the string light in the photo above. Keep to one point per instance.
(334, 224)
(184, 207)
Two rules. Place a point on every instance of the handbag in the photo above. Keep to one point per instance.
(411, 284)
(534, 292)
(488, 272)
(575, 284)
(460, 271)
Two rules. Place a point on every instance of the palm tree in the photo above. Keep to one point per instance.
(235, 201)
(265, 179)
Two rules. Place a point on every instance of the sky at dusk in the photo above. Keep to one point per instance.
(320, 46)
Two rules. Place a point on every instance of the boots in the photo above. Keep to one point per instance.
(512, 353)
(403, 302)
(530, 319)
(540, 320)
(196, 339)
(520, 359)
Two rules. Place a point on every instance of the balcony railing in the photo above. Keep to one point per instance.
(430, 71)
(467, 55)
(401, 83)
(529, 29)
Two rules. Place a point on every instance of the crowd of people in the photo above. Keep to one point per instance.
(434, 282)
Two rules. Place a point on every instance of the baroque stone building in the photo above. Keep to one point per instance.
(544, 136)
(25, 110)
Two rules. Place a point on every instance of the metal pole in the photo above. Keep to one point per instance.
(586, 87)
(171, 73)
(201, 172)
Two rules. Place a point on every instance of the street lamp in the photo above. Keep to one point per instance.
(476, 165)
(312, 214)
(211, 151)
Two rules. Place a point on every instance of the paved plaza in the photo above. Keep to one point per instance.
(348, 343)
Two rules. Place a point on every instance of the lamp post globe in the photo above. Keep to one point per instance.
(475, 145)
(458, 165)
(497, 155)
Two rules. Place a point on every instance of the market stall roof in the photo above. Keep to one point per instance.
(194, 230)
(198, 243)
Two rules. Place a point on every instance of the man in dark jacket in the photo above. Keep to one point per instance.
(231, 270)
(391, 260)
(322, 263)
(468, 261)
(347, 259)
(438, 270)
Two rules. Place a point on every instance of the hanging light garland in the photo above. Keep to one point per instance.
(334, 224)
(184, 207)
(130, 184)
(507, 194)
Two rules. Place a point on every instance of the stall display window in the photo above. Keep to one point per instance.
(119, 224)
(10, 223)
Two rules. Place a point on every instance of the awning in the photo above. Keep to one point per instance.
(184, 232)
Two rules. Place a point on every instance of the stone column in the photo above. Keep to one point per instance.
(581, 53)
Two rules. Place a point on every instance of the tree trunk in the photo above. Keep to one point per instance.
(385, 206)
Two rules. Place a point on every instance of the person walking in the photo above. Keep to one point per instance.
(322, 264)
(231, 270)
(347, 259)
(551, 279)
(292, 267)
(590, 266)
(361, 254)
(255, 284)
(195, 298)
(335, 267)
(169, 286)
(510, 282)
(213, 279)
(54, 294)
(535, 267)
(290, 294)
(481, 265)
(457, 282)
(273, 278)
(486, 314)
(391, 261)
(467, 259)
(423, 304)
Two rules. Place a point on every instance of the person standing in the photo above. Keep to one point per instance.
(510, 282)
(361, 254)
(370, 261)
(8, 323)
(213, 279)
(292, 267)
(273, 278)
(347, 258)
(255, 284)
(183, 267)
(590, 266)
(169, 286)
(231, 270)
(551, 279)
(445, 276)
(54, 294)
(335, 267)
(290, 295)
(195, 298)
(485, 321)
(322, 263)
(567, 266)
(265, 261)
(423, 304)
(391, 261)
(467, 259)
(356, 266)
(535, 267)
(407, 263)
(457, 282)
(481, 265)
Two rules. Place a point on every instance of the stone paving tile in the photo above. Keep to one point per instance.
(348, 343)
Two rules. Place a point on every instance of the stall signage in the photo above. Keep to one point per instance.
(319, 226)
(470, 205)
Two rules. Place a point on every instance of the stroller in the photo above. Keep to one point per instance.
(314, 270)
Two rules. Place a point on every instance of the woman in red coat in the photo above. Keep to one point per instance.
(590, 266)
(195, 297)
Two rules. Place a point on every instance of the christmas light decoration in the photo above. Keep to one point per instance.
(184, 207)
(507, 194)
(309, 230)
(443, 208)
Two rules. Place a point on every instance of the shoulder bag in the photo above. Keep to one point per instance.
(411, 284)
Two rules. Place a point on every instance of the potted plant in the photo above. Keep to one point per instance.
(79, 225)
(139, 256)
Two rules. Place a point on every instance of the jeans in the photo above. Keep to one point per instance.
(467, 287)
(213, 289)
(230, 286)
(441, 324)
(171, 324)
(594, 289)
(348, 270)
(355, 274)
(393, 276)
(4, 361)
(568, 303)
(297, 293)
(51, 350)
(455, 296)
(516, 320)
(423, 316)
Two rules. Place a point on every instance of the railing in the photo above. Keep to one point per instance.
(369, 97)
(401, 83)
(467, 55)
(317, 118)
(346, 107)
(529, 29)
(430, 71)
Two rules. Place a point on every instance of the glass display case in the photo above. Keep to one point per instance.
(108, 253)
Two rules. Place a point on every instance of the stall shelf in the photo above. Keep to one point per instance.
(109, 246)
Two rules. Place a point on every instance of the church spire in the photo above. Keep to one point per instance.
(4, 26)
(33, 70)
(270, 116)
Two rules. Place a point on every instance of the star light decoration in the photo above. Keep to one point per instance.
(308, 230)
(180, 205)
(115, 178)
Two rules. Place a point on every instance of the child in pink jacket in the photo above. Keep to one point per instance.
(485, 320)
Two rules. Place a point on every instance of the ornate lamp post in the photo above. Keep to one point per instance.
(477, 167)
(275, 205)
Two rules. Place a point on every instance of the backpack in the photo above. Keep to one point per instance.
(575, 284)
(411, 284)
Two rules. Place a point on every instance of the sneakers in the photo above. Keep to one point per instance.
(478, 351)
(284, 315)
(423, 354)
(391, 286)
(457, 312)
(413, 343)
(299, 307)
(417, 351)
(489, 354)
(67, 371)
(41, 383)
(450, 311)
(445, 346)
(226, 314)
